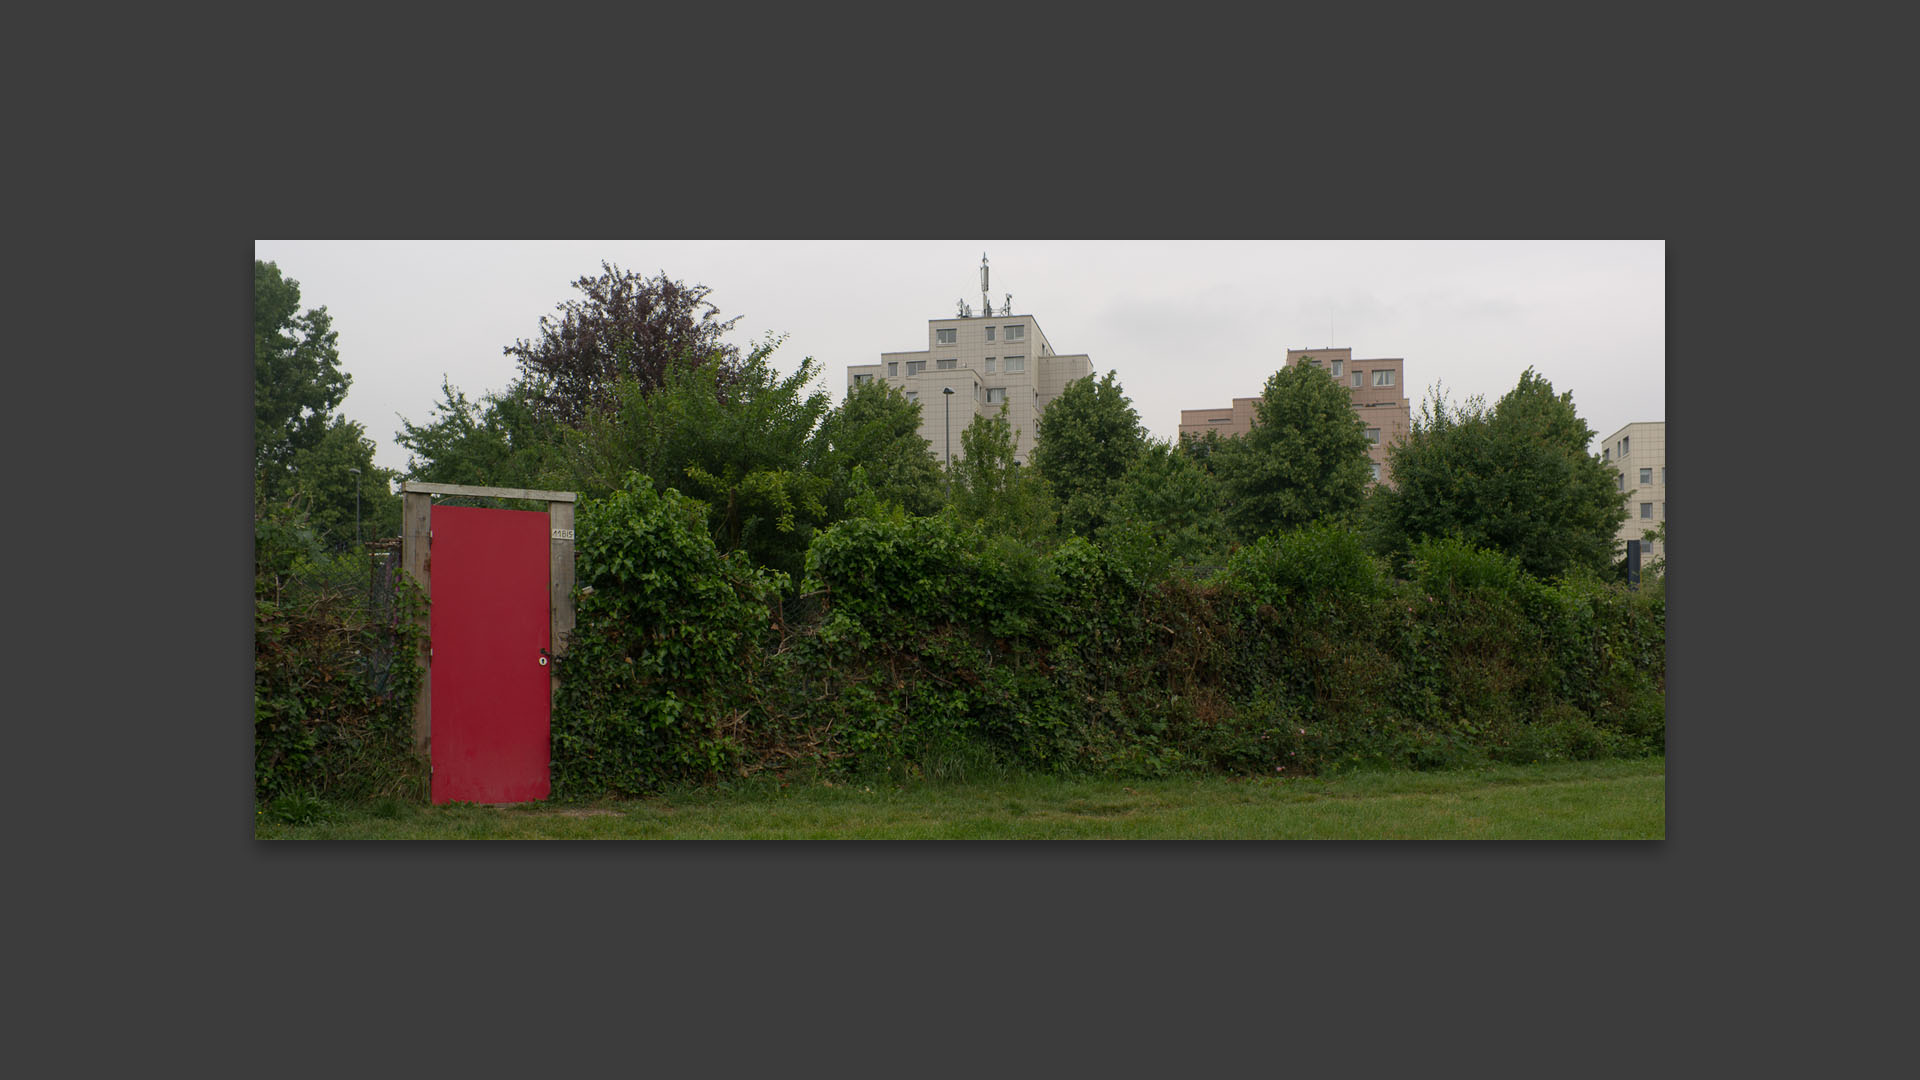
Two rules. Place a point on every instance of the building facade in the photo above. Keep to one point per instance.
(987, 361)
(1638, 454)
(1379, 400)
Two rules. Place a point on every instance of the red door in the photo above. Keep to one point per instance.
(488, 623)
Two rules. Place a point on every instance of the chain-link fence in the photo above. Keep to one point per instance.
(361, 587)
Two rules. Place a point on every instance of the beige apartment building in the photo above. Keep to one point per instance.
(1379, 400)
(986, 360)
(1638, 454)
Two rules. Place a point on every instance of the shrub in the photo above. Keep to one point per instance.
(334, 678)
(666, 632)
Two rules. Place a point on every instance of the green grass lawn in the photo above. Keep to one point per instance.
(1598, 800)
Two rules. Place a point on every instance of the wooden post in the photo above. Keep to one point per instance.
(415, 547)
(560, 576)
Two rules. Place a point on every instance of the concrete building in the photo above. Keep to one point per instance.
(1379, 399)
(986, 360)
(1638, 454)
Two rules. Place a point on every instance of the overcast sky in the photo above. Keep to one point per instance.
(1186, 324)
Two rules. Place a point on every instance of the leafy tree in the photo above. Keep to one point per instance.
(622, 326)
(736, 439)
(297, 381)
(1516, 478)
(1656, 566)
(1083, 444)
(322, 482)
(1304, 461)
(877, 430)
(305, 454)
(1166, 510)
(498, 441)
(990, 489)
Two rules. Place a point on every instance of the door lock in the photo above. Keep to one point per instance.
(544, 654)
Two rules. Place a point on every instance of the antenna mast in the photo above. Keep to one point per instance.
(986, 306)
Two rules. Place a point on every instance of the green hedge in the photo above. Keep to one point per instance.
(323, 724)
(924, 647)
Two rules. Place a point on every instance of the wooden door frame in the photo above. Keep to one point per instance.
(415, 554)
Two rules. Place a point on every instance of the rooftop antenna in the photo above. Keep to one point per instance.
(986, 306)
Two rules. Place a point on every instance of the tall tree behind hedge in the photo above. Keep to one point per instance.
(297, 381)
(990, 490)
(736, 439)
(307, 457)
(877, 429)
(623, 325)
(1166, 511)
(1083, 444)
(498, 441)
(1516, 478)
(1305, 460)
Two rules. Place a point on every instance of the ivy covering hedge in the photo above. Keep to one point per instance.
(334, 680)
(922, 647)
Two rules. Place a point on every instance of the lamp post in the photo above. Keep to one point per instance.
(947, 392)
(356, 504)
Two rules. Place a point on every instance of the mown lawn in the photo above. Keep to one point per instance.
(1598, 800)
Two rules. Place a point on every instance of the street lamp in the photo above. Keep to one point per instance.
(356, 505)
(948, 392)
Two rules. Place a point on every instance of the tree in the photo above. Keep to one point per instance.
(498, 441)
(990, 489)
(877, 430)
(305, 454)
(1304, 461)
(623, 325)
(322, 482)
(737, 440)
(1516, 478)
(1167, 510)
(297, 381)
(1083, 444)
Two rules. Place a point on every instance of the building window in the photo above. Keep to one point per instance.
(1219, 419)
(1376, 472)
(946, 365)
(1016, 364)
(915, 367)
(893, 369)
(1383, 377)
(1646, 476)
(990, 333)
(1357, 376)
(1337, 365)
(1017, 333)
(862, 380)
(1623, 446)
(989, 360)
(913, 396)
(1620, 481)
(1606, 453)
(946, 337)
(996, 394)
(1646, 510)
(1373, 434)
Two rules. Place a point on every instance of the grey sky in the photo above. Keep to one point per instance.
(1186, 324)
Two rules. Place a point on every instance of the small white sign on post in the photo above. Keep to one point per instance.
(563, 534)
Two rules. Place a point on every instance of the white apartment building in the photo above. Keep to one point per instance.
(1638, 454)
(986, 360)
